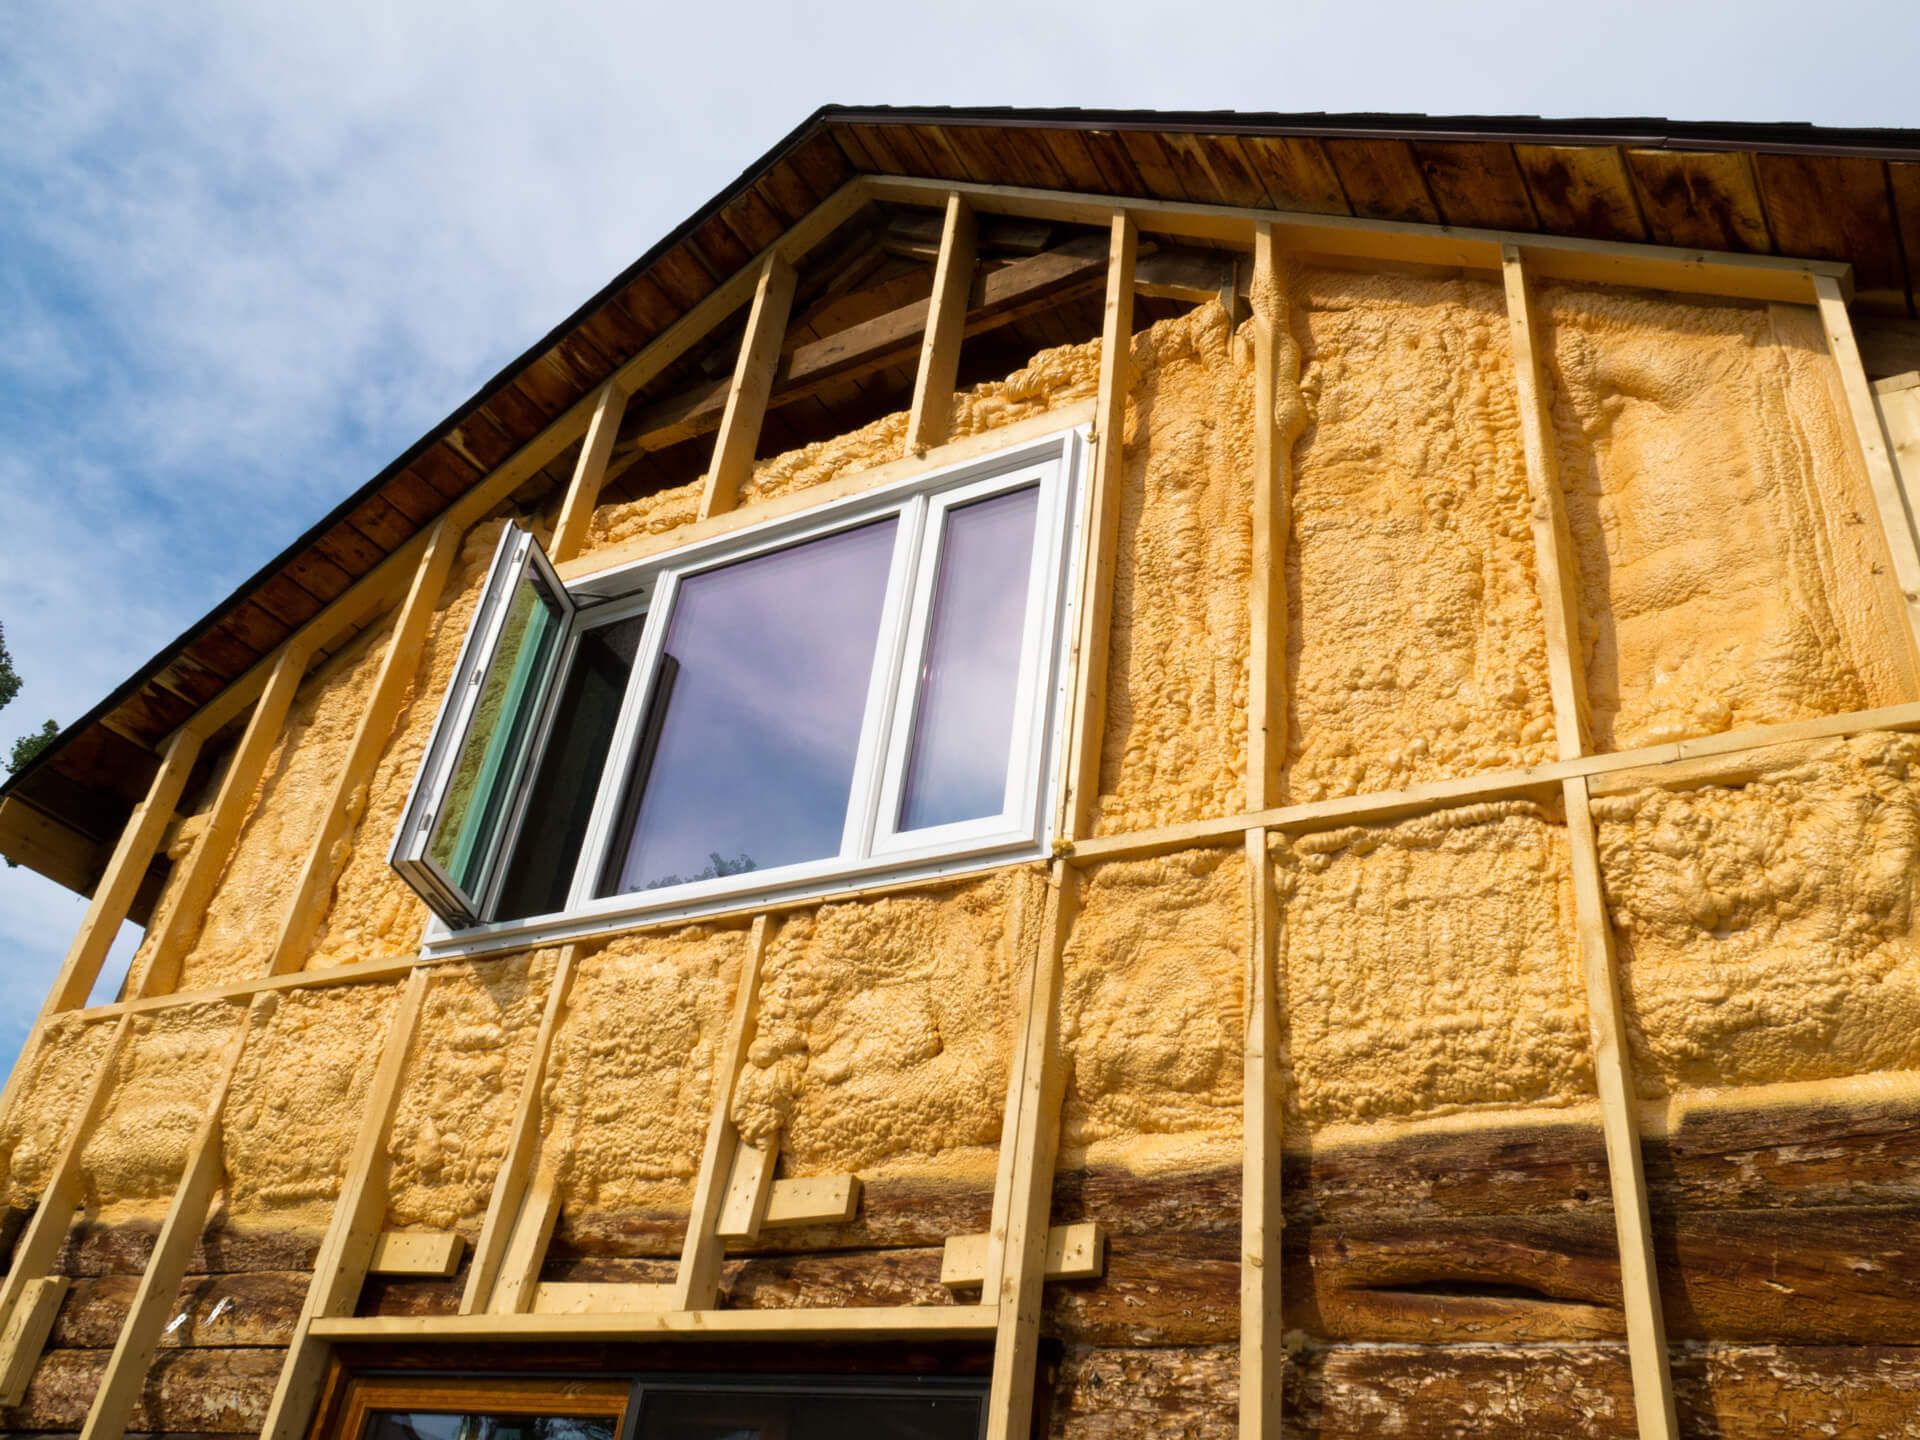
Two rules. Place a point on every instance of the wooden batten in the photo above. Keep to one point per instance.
(1263, 1353)
(589, 474)
(526, 1250)
(344, 805)
(1074, 1252)
(358, 1213)
(25, 1334)
(739, 437)
(812, 1200)
(1087, 719)
(417, 1252)
(1896, 523)
(1552, 543)
(932, 411)
(126, 1372)
(1276, 366)
(697, 1283)
(511, 1182)
(1612, 1069)
(1014, 1276)
(749, 1190)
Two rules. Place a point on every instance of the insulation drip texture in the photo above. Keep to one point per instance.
(458, 1090)
(163, 1083)
(1765, 931)
(1431, 966)
(884, 1033)
(46, 1102)
(1417, 647)
(1724, 532)
(1154, 975)
(298, 1099)
(629, 1086)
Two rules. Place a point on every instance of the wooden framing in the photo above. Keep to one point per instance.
(1080, 788)
(398, 667)
(25, 1335)
(589, 473)
(364, 1397)
(504, 1300)
(348, 1248)
(739, 436)
(933, 383)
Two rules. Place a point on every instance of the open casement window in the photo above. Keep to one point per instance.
(869, 687)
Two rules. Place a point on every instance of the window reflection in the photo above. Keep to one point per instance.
(426, 1425)
(720, 1415)
(746, 761)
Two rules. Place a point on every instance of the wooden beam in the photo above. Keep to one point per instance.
(697, 1283)
(126, 1373)
(1278, 415)
(113, 896)
(997, 298)
(1553, 555)
(746, 406)
(1263, 1351)
(1017, 1279)
(523, 1144)
(812, 1200)
(417, 1252)
(1074, 1252)
(882, 1322)
(358, 1213)
(1613, 1073)
(25, 1335)
(347, 800)
(932, 412)
(1896, 522)
(200, 871)
(598, 1297)
(1653, 267)
(48, 846)
(519, 1278)
(1088, 667)
(589, 473)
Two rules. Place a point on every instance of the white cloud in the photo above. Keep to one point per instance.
(249, 252)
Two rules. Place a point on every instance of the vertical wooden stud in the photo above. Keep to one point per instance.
(1017, 1281)
(696, 1286)
(25, 1334)
(932, 412)
(113, 896)
(739, 435)
(211, 851)
(358, 1213)
(1087, 722)
(1277, 417)
(511, 1183)
(1263, 1355)
(1613, 1071)
(589, 473)
(1552, 543)
(173, 1247)
(1896, 524)
(348, 799)
(526, 1250)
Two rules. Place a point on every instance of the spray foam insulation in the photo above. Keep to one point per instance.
(1765, 931)
(1725, 537)
(884, 1033)
(1154, 975)
(164, 1079)
(629, 1086)
(46, 1102)
(1415, 632)
(459, 1088)
(1430, 966)
(298, 1099)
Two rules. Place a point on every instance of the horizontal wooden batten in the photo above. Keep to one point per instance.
(1707, 272)
(417, 1252)
(922, 1322)
(1074, 1252)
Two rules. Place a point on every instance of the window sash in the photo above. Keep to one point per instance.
(871, 844)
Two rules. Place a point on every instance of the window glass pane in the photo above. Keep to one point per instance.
(963, 715)
(424, 1425)
(747, 760)
(541, 871)
(467, 830)
(718, 1415)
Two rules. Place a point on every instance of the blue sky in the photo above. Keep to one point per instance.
(248, 253)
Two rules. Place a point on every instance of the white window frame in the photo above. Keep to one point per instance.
(873, 850)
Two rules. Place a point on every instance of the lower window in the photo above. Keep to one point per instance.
(706, 1408)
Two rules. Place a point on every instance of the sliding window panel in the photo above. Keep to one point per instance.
(455, 834)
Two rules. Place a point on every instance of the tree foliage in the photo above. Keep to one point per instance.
(9, 677)
(31, 744)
